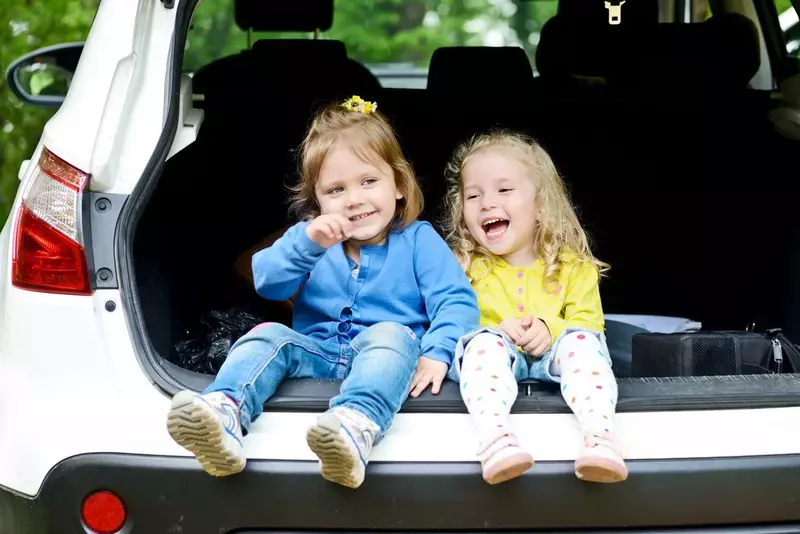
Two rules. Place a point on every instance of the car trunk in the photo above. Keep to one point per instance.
(657, 197)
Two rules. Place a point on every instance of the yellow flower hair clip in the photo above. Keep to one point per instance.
(356, 103)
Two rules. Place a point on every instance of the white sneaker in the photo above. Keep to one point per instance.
(209, 427)
(342, 439)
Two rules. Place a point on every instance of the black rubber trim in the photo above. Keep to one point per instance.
(175, 495)
(134, 208)
(758, 529)
(100, 215)
(635, 395)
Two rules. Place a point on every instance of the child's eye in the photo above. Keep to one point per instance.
(369, 181)
(506, 190)
(472, 197)
(334, 190)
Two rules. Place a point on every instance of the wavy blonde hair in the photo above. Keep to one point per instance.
(559, 237)
(373, 140)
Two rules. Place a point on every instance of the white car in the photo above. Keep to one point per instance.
(148, 184)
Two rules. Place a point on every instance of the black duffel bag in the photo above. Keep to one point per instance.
(713, 353)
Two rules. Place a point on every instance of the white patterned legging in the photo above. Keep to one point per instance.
(489, 388)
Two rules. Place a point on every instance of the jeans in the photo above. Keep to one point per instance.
(377, 367)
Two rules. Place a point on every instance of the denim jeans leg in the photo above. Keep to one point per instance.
(261, 359)
(386, 356)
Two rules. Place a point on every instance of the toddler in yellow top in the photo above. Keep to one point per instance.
(516, 234)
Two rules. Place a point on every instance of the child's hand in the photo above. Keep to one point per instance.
(515, 328)
(327, 230)
(429, 371)
(536, 340)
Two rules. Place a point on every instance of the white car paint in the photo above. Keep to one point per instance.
(70, 383)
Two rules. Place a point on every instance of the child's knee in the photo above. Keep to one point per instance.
(268, 330)
(581, 341)
(488, 345)
(485, 340)
(391, 335)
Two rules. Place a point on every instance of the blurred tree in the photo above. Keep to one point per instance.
(26, 26)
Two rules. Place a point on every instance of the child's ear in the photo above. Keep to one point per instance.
(399, 195)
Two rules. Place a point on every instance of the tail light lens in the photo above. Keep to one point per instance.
(49, 253)
(103, 513)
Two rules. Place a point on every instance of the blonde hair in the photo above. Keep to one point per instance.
(559, 236)
(373, 139)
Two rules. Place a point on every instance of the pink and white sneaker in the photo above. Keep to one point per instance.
(600, 460)
(504, 459)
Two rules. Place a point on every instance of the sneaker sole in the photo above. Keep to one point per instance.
(508, 468)
(335, 453)
(195, 428)
(600, 470)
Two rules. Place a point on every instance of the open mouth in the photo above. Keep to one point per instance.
(495, 228)
(362, 216)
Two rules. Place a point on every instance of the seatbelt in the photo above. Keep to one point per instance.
(614, 8)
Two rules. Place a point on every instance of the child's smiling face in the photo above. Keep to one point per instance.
(365, 192)
(500, 208)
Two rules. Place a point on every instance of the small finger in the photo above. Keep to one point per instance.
(328, 230)
(520, 332)
(437, 384)
(540, 347)
(526, 338)
(336, 225)
(414, 382)
(347, 227)
(421, 385)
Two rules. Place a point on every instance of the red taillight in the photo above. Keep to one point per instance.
(48, 251)
(103, 513)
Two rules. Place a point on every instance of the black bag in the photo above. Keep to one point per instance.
(713, 353)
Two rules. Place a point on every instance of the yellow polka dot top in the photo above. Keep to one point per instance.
(507, 291)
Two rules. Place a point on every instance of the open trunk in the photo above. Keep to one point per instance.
(684, 190)
(203, 218)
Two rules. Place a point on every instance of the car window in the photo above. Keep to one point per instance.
(790, 25)
(386, 35)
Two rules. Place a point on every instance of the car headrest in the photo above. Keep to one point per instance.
(574, 50)
(722, 52)
(322, 60)
(480, 70)
(315, 50)
(292, 16)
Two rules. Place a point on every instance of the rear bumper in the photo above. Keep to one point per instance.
(165, 494)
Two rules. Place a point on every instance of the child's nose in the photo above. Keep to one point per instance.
(354, 198)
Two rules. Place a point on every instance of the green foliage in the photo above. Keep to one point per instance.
(783, 5)
(24, 27)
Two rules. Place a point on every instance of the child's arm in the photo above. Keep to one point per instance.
(279, 270)
(582, 305)
(449, 298)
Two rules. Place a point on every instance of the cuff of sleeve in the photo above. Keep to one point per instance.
(307, 246)
(438, 354)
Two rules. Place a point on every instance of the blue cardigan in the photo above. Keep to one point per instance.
(412, 279)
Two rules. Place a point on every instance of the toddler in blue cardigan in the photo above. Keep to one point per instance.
(380, 302)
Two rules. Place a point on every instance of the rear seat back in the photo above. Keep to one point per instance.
(257, 104)
(646, 133)
(470, 90)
